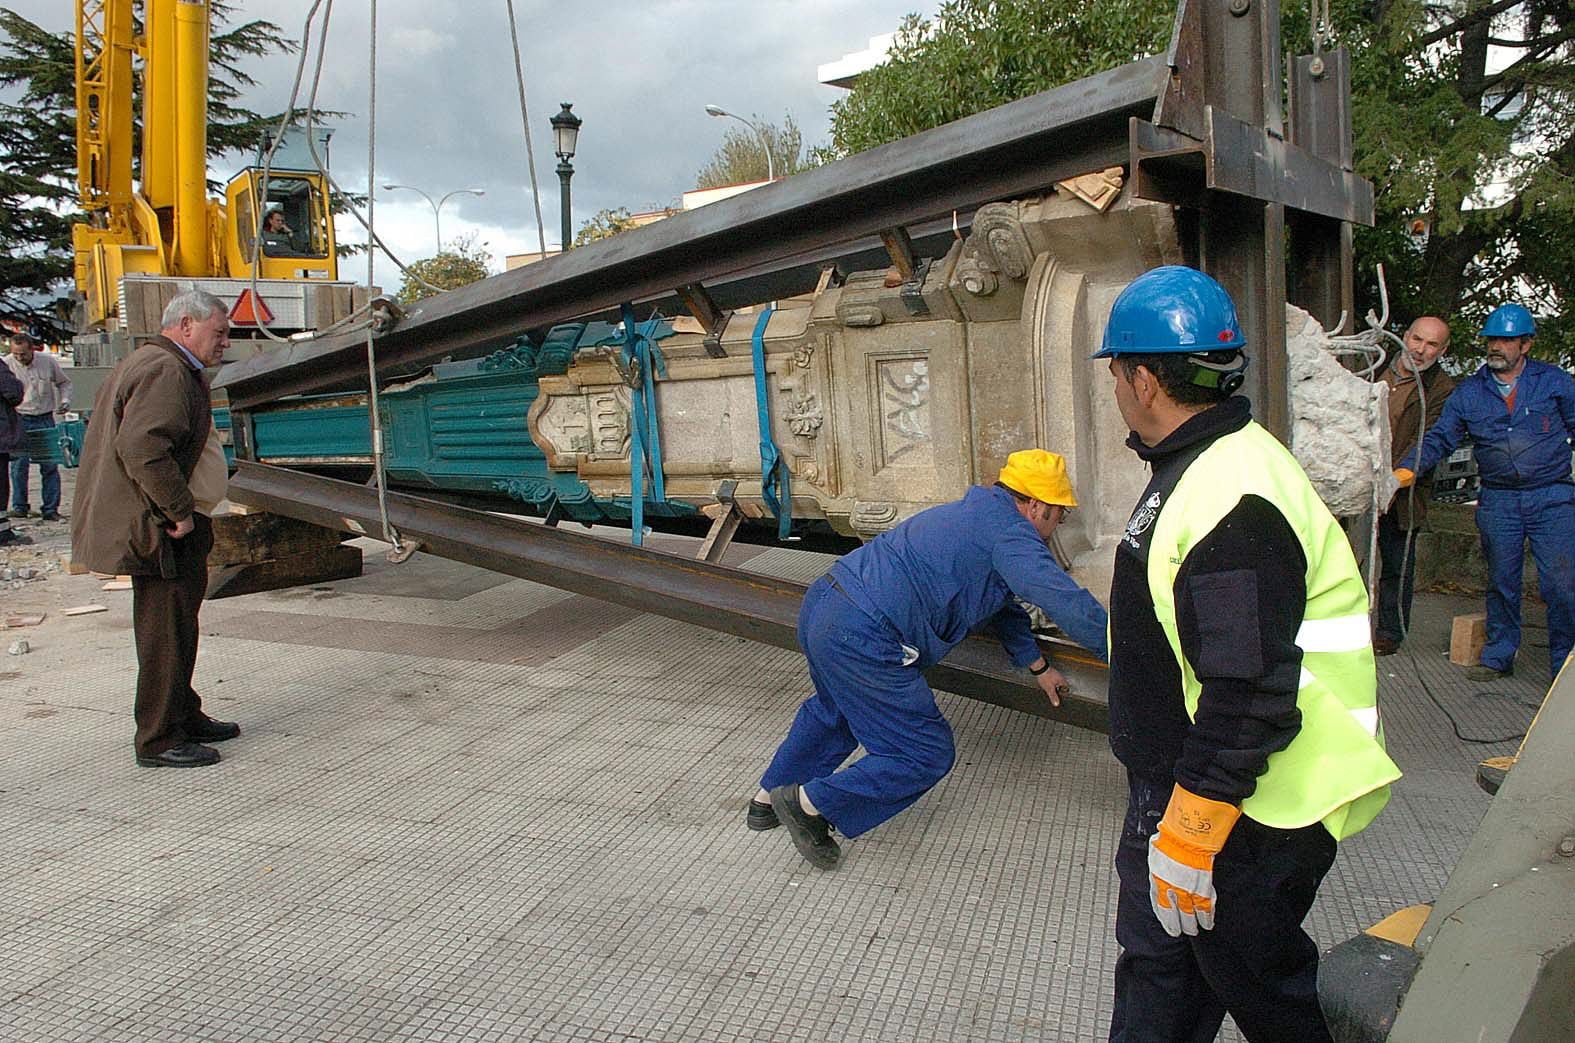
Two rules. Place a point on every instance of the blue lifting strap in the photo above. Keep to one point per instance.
(645, 449)
(775, 480)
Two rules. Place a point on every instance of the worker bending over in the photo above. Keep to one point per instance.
(1520, 415)
(892, 609)
(1243, 697)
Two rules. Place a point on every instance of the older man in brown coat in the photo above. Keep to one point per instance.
(134, 514)
(1412, 375)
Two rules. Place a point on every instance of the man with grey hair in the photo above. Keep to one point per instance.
(134, 514)
(1413, 376)
(46, 394)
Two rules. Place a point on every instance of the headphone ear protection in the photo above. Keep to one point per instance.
(1226, 376)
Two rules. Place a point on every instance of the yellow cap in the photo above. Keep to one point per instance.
(1040, 474)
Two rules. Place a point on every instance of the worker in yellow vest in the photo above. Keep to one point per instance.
(1243, 695)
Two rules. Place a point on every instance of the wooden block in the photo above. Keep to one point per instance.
(1466, 639)
(85, 610)
(118, 584)
(341, 562)
(250, 539)
(23, 620)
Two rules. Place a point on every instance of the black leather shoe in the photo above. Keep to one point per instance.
(49, 516)
(811, 834)
(761, 817)
(1385, 645)
(209, 730)
(12, 538)
(186, 755)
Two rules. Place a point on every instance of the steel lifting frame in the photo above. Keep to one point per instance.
(1200, 127)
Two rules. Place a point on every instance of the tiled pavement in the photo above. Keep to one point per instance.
(472, 808)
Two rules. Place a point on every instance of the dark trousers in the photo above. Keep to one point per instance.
(164, 620)
(864, 696)
(1396, 577)
(1257, 963)
(48, 474)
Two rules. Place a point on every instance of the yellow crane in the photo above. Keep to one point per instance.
(141, 242)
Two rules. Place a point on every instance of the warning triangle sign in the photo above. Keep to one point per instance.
(250, 309)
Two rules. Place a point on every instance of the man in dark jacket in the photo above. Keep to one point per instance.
(1413, 377)
(891, 610)
(134, 514)
(11, 439)
(1243, 699)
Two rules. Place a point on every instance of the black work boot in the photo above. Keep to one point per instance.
(811, 834)
(761, 817)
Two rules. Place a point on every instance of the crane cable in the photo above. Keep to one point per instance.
(530, 152)
(400, 550)
(286, 120)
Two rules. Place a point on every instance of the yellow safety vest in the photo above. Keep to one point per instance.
(1335, 770)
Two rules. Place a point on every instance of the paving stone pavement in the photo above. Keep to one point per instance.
(466, 807)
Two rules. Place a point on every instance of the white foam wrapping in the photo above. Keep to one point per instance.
(1340, 422)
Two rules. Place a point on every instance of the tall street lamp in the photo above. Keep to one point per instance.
(565, 134)
(437, 207)
(718, 111)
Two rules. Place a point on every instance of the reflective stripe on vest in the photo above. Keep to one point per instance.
(1366, 716)
(1335, 770)
(1340, 634)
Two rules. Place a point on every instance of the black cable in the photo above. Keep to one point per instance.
(1454, 724)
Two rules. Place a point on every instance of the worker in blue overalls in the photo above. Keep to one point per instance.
(1520, 415)
(892, 609)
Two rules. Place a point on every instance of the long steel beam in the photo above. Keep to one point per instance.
(761, 608)
(1005, 152)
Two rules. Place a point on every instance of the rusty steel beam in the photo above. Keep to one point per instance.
(1009, 151)
(746, 604)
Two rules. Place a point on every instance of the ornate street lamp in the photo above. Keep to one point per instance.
(565, 134)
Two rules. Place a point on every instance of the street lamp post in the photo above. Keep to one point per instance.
(437, 207)
(565, 134)
(718, 111)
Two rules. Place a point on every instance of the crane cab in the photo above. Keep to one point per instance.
(284, 227)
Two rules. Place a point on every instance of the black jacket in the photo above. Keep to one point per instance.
(11, 393)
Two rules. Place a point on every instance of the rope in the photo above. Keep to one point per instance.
(643, 360)
(775, 479)
(530, 152)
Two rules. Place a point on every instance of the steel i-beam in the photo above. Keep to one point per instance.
(746, 604)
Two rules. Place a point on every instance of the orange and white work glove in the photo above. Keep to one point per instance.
(1405, 476)
(1181, 861)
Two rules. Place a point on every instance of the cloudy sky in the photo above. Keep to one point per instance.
(639, 72)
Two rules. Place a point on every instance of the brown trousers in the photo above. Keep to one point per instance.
(164, 620)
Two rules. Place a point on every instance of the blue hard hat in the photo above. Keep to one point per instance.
(1171, 310)
(1509, 320)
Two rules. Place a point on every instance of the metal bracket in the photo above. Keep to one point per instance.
(910, 267)
(385, 314)
(699, 303)
(912, 292)
(724, 526)
(555, 514)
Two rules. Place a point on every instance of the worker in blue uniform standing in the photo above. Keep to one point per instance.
(1520, 415)
(892, 609)
(1243, 694)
